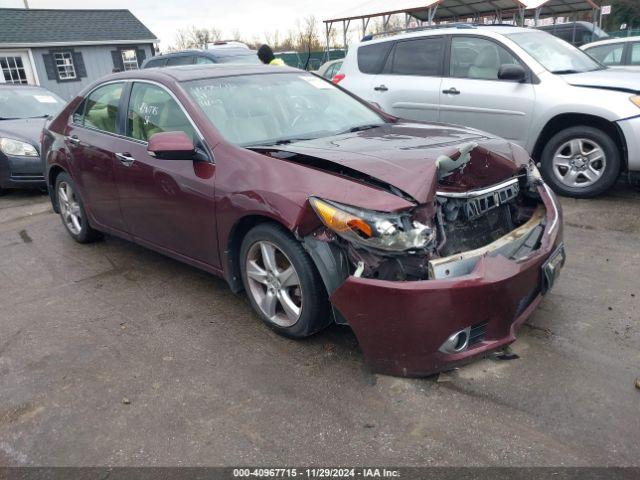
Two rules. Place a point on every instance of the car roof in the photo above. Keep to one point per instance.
(185, 73)
(216, 52)
(444, 30)
(611, 40)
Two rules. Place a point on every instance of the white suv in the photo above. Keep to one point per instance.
(577, 118)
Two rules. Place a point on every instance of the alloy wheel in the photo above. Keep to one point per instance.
(579, 163)
(274, 284)
(69, 208)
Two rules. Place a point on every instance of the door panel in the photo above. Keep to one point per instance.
(167, 203)
(91, 145)
(410, 83)
(473, 96)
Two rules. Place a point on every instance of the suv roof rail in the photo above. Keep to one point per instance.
(460, 25)
(371, 36)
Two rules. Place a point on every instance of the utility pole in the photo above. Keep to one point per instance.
(26, 4)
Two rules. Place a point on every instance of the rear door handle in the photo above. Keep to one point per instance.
(451, 91)
(126, 159)
(381, 88)
(73, 140)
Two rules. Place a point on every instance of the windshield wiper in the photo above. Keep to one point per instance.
(564, 72)
(361, 128)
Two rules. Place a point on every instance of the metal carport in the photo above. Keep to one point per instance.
(436, 11)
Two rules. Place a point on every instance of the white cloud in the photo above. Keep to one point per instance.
(250, 17)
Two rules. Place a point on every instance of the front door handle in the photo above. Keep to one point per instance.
(381, 88)
(126, 159)
(74, 140)
(451, 91)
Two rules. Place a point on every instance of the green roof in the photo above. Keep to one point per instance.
(19, 26)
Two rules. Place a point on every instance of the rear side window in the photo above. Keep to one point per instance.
(102, 108)
(155, 63)
(182, 60)
(423, 56)
(635, 54)
(371, 58)
(608, 54)
(152, 110)
(204, 61)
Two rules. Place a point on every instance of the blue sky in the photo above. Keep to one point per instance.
(250, 17)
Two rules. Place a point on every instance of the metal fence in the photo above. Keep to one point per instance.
(299, 59)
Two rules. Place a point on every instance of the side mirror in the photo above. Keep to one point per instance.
(512, 72)
(171, 146)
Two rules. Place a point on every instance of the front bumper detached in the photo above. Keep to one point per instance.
(403, 326)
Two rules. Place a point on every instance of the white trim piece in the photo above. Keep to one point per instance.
(83, 43)
(34, 70)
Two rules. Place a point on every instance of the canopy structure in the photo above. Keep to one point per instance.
(435, 11)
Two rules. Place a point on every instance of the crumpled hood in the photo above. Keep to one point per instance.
(27, 130)
(406, 155)
(609, 78)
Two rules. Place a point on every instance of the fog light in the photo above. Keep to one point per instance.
(456, 343)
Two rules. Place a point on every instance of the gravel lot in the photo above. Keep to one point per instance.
(112, 354)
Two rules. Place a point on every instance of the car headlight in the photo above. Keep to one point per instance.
(377, 230)
(9, 146)
(635, 99)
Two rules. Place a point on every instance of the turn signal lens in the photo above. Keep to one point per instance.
(635, 100)
(338, 220)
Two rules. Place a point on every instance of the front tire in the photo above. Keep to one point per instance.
(72, 212)
(282, 283)
(581, 162)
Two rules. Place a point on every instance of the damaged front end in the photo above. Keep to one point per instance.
(448, 279)
(445, 237)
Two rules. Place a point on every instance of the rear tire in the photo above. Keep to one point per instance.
(282, 282)
(581, 162)
(72, 212)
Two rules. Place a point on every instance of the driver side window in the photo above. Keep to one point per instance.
(477, 58)
(152, 110)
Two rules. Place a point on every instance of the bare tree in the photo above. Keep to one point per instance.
(194, 37)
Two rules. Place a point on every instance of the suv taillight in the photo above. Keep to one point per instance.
(337, 78)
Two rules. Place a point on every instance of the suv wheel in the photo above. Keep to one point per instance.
(282, 282)
(581, 162)
(72, 212)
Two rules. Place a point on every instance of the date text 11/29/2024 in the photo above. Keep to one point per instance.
(315, 473)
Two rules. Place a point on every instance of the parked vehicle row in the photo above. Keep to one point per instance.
(577, 118)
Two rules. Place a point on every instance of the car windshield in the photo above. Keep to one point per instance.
(555, 54)
(25, 102)
(277, 108)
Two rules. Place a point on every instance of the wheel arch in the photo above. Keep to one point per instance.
(52, 175)
(234, 241)
(566, 120)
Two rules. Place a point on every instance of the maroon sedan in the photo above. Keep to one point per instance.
(433, 242)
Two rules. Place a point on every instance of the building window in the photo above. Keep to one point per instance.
(13, 70)
(129, 59)
(64, 65)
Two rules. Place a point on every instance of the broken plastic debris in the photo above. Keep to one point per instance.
(447, 165)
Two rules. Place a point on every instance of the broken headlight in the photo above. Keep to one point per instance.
(377, 230)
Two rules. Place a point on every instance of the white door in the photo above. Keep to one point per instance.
(15, 67)
(473, 95)
(409, 86)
